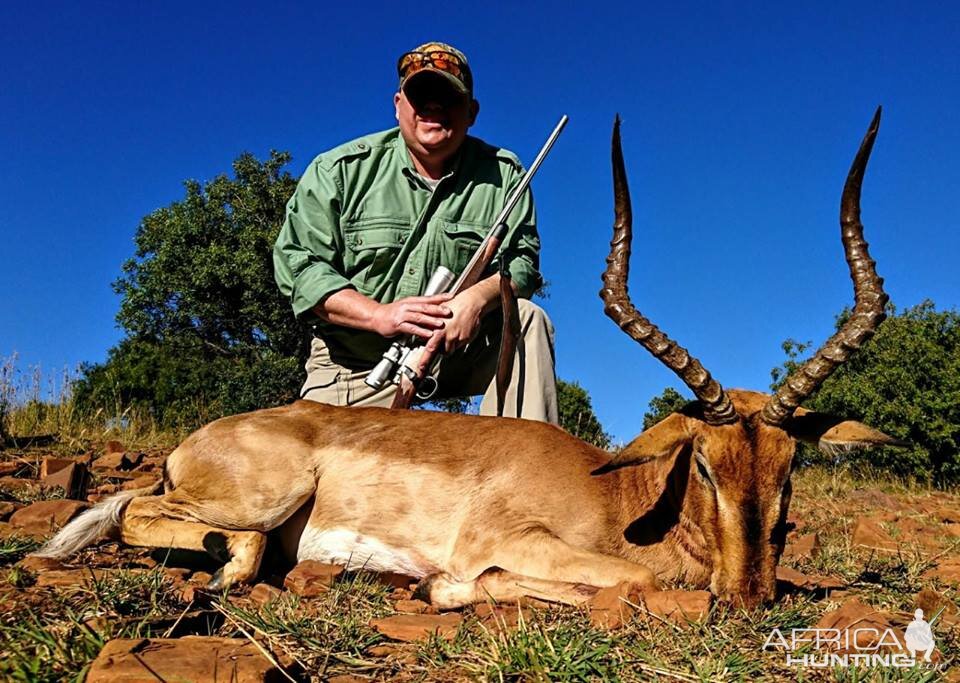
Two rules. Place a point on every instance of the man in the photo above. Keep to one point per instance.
(372, 219)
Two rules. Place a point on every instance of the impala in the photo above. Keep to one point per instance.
(480, 507)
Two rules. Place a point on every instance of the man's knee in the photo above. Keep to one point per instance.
(532, 317)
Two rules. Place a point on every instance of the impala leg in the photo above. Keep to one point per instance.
(542, 555)
(445, 592)
(146, 522)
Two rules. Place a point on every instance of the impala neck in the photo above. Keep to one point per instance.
(659, 522)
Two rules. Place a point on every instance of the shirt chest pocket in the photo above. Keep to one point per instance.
(372, 245)
(460, 242)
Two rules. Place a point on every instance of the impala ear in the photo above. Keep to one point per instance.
(830, 433)
(660, 441)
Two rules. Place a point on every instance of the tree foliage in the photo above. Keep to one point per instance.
(577, 416)
(669, 401)
(905, 382)
(208, 332)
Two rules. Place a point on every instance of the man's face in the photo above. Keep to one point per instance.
(433, 116)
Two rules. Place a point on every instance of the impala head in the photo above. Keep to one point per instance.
(739, 445)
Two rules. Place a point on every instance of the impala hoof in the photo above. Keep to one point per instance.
(216, 583)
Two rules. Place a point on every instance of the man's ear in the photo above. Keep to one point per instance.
(660, 441)
(828, 432)
(396, 104)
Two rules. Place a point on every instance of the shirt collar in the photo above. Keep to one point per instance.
(410, 172)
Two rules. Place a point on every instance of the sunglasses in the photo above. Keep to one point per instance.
(413, 62)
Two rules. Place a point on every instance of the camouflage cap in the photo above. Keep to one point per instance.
(439, 58)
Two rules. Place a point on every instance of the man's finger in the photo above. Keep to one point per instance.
(432, 299)
(432, 309)
(434, 342)
(416, 330)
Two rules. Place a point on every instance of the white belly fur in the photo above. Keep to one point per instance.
(356, 551)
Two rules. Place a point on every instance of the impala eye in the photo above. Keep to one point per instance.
(702, 470)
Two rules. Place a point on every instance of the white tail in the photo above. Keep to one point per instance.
(96, 523)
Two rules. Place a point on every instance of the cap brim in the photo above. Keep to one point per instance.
(450, 78)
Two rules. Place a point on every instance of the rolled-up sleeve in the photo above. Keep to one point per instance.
(307, 256)
(522, 246)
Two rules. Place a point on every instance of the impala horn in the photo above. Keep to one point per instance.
(717, 408)
(869, 297)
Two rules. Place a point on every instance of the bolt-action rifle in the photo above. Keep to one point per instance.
(409, 364)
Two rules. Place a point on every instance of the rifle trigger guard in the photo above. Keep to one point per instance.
(428, 387)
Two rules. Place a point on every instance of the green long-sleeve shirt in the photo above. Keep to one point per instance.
(362, 218)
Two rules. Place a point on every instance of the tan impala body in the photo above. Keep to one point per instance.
(484, 507)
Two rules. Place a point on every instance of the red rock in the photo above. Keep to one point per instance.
(141, 482)
(612, 607)
(807, 546)
(176, 574)
(39, 564)
(931, 602)
(50, 465)
(7, 530)
(192, 658)
(502, 617)
(862, 624)
(800, 581)
(414, 607)
(677, 606)
(7, 509)
(58, 578)
(115, 475)
(118, 461)
(310, 578)
(947, 570)
(263, 593)
(8, 467)
(347, 678)
(394, 580)
(400, 594)
(113, 447)
(72, 478)
(201, 578)
(46, 515)
(413, 627)
(869, 534)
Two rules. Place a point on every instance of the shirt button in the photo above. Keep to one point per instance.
(361, 145)
(412, 271)
(359, 240)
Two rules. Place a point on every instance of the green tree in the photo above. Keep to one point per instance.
(669, 401)
(577, 416)
(208, 332)
(905, 382)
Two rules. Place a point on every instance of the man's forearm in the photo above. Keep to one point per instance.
(418, 315)
(488, 292)
(348, 308)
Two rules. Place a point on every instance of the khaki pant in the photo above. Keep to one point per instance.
(469, 371)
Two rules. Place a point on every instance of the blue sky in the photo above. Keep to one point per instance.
(740, 122)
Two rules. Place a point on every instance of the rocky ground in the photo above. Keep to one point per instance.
(861, 555)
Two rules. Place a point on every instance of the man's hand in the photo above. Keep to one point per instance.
(416, 315)
(468, 308)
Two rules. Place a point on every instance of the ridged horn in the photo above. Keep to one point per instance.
(869, 297)
(717, 408)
